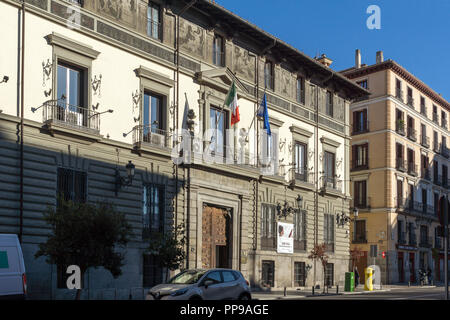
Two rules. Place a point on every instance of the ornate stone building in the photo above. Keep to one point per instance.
(102, 83)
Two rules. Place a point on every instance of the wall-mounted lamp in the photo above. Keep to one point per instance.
(124, 182)
(342, 219)
(308, 267)
(285, 210)
(5, 79)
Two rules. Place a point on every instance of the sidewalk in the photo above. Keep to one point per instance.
(303, 293)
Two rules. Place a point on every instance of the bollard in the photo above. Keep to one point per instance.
(337, 289)
(327, 289)
(285, 291)
(313, 290)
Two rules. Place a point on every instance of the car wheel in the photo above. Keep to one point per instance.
(244, 296)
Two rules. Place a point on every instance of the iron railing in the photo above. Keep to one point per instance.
(412, 134)
(435, 117)
(425, 174)
(412, 169)
(410, 102)
(423, 110)
(399, 93)
(58, 112)
(425, 141)
(302, 175)
(146, 135)
(359, 237)
(362, 127)
(444, 123)
(436, 147)
(328, 182)
(401, 164)
(400, 127)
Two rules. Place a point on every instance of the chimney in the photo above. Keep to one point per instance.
(380, 58)
(324, 60)
(357, 59)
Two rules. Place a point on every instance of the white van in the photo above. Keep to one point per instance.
(13, 281)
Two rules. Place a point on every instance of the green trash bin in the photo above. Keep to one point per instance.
(349, 282)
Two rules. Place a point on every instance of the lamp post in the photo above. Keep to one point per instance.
(124, 182)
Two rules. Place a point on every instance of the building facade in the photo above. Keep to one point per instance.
(95, 85)
(399, 171)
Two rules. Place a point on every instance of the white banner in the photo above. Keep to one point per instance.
(285, 243)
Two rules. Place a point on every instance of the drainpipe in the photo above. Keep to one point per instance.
(22, 81)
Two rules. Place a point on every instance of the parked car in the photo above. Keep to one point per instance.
(13, 281)
(201, 284)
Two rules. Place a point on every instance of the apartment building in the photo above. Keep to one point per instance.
(108, 86)
(399, 171)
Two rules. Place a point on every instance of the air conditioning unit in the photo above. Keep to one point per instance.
(158, 139)
(74, 118)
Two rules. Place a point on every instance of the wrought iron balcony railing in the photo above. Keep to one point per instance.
(425, 174)
(400, 127)
(444, 123)
(435, 118)
(333, 183)
(412, 134)
(400, 164)
(436, 147)
(359, 237)
(423, 110)
(412, 169)
(425, 141)
(301, 175)
(399, 94)
(58, 112)
(148, 135)
(410, 102)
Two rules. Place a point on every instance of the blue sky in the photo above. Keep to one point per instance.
(414, 33)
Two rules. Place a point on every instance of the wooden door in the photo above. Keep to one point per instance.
(215, 238)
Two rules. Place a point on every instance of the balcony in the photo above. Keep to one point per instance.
(148, 136)
(436, 147)
(362, 203)
(423, 110)
(412, 169)
(412, 134)
(74, 117)
(444, 123)
(435, 118)
(400, 127)
(425, 141)
(425, 174)
(425, 242)
(410, 101)
(301, 175)
(400, 164)
(360, 128)
(401, 238)
(359, 237)
(399, 94)
(331, 184)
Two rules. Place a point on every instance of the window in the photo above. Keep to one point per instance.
(436, 203)
(72, 185)
(152, 271)
(400, 232)
(360, 123)
(215, 276)
(313, 97)
(300, 230)
(435, 172)
(360, 156)
(360, 194)
(268, 227)
(443, 119)
(398, 89)
(269, 149)
(329, 168)
(410, 100)
(363, 84)
(410, 128)
(400, 162)
(444, 175)
(373, 250)
(424, 200)
(360, 232)
(435, 114)
(70, 96)
(153, 210)
(328, 232)
(400, 193)
(435, 141)
(423, 108)
(218, 123)
(153, 21)
(299, 274)
(218, 51)
(411, 233)
(329, 105)
(400, 123)
(268, 75)
(228, 276)
(301, 169)
(329, 274)
(301, 90)
(268, 273)
(153, 119)
(424, 235)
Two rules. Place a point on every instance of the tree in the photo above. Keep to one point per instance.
(318, 253)
(85, 235)
(169, 247)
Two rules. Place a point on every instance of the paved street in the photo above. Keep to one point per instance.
(388, 293)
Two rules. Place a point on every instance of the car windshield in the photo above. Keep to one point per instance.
(187, 277)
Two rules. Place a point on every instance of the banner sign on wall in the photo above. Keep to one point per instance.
(285, 243)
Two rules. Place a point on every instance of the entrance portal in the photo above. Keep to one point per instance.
(216, 237)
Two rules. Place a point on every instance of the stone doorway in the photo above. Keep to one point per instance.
(216, 237)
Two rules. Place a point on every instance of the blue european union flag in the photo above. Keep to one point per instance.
(263, 112)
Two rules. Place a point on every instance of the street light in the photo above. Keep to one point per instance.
(5, 79)
(285, 210)
(125, 182)
(342, 219)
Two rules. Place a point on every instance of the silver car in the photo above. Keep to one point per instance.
(201, 284)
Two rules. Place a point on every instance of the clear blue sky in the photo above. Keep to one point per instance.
(414, 33)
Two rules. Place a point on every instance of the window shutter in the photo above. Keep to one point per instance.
(365, 124)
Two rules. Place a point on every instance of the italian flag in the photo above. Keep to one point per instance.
(232, 102)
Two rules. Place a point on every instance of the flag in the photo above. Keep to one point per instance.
(263, 112)
(232, 102)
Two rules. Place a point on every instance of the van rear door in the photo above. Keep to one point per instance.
(11, 266)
